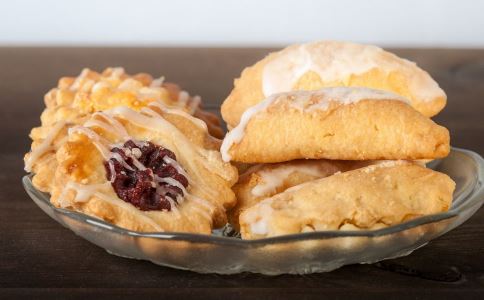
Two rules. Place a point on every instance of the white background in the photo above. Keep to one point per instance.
(427, 23)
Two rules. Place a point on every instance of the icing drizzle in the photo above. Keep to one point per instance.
(108, 122)
(44, 147)
(336, 62)
(271, 179)
(305, 101)
(259, 219)
(89, 81)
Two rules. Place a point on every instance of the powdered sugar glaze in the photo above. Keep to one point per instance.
(335, 62)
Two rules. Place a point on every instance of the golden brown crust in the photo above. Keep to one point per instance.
(364, 130)
(386, 194)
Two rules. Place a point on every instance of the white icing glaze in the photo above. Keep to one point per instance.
(183, 98)
(176, 165)
(119, 158)
(112, 125)
(112, 171)
(336, 62)
(155, 122)
(177, 141)
(149, 93)
(271, 179)
(100, 85)
(306, 101)
(116, 126)
(45, 146)
(259, 227)
(258, 219)
(196, 121)
(173, 206)
(194, 104)
(83, 191)
(170, 181)
(98, 141)
(236, 134)
(384, 164)
(136, 152)
(136, 162)
(157, 82)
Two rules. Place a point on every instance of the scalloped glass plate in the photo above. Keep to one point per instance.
(299, 253)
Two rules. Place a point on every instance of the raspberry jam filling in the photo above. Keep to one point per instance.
(146, 175)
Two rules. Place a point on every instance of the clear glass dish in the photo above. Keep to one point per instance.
(299, 253)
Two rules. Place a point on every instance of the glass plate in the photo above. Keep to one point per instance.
(298, 253)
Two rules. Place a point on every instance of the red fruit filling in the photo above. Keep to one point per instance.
(146, 175)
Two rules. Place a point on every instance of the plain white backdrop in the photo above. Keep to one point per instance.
(424, 23)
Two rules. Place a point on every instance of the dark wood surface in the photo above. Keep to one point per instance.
(41, 259)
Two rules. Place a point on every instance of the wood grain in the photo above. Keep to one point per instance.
(42, 260)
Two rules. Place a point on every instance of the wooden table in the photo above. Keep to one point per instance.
(38, 256)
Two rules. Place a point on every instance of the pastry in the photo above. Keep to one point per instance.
(329, 63)
(342, 123)
(145, 171)
(370, 197)
(74, 100)
(75, 97)
(326, 135)
(266, 180)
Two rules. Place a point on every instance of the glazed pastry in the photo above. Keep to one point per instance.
(329, 63)
(148, 170)
(371, 197)
(338, 123)
(266, 180)
(76, 99)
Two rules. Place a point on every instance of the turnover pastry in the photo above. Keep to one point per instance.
(141, 170)
(343, 123)
(329, 63)
(75, 99)
(266, 180)
(371, 197)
